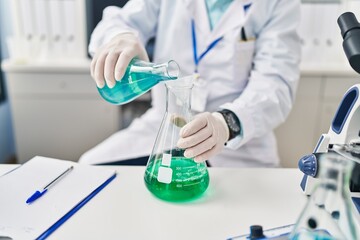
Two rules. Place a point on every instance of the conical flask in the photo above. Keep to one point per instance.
(169, 174)
(139, 77)
(329, 213)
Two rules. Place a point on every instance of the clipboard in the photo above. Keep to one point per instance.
(41, 218)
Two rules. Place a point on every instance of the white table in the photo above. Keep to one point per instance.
(235, 199)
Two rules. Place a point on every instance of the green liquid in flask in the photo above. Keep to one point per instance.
(137, 80)
(189, 180)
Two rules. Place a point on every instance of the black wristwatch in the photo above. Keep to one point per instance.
(233, 123)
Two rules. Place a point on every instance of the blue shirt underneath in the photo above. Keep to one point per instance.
(216, 9)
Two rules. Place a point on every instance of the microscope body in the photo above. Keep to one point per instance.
(345, 127)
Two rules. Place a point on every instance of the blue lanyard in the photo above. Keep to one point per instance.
(247, 7)
(211, 46)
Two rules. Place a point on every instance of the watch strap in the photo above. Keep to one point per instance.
(232, 122)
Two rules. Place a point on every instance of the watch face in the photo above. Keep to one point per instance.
(233, 124)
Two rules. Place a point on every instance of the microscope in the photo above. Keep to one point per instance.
(343, 137)
(344, 133)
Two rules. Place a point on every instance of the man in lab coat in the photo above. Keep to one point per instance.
(247, 54)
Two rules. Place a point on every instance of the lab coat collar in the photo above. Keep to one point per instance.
(233, 17)
(198, 12)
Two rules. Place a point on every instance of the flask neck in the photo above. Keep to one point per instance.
(164, 71)
(178, 101)
(170, 70)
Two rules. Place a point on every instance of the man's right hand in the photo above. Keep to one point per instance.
(111, 60)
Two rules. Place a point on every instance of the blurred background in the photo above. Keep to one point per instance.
(49, 105)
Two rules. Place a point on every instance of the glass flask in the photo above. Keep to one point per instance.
(351, 151)
(139, 77)
(169, 174)
(329, 213)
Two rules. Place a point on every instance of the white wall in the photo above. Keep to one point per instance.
(7, 146)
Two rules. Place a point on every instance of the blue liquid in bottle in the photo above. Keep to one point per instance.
(139, 78)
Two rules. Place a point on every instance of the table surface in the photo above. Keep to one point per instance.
(236, 198)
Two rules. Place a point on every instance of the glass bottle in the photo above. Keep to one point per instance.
(169, 174)
(139, 77)
(329, 213)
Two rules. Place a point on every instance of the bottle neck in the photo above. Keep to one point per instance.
(164, 71)
(169, 70)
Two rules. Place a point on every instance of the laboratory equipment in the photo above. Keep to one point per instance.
(139, 77)
(257, 232)
(169, 174)
(350, 31)
(345, 127)
(329, 213)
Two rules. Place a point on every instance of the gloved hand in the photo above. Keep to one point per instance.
(111, 60)
(204, 136)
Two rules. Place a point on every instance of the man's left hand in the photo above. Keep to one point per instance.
(204, 136)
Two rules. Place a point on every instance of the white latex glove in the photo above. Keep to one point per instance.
(111, 60)
(204, 136)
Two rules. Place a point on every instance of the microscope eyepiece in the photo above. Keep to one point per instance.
(347, 22)
(350, 31)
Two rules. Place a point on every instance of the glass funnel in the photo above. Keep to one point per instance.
(169, 174)
(329, 213)
(139, 77)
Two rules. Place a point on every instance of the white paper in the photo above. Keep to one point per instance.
(28, 221)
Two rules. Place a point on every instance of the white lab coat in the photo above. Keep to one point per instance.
(257, 80)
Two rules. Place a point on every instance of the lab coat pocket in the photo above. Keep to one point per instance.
(243, 60)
